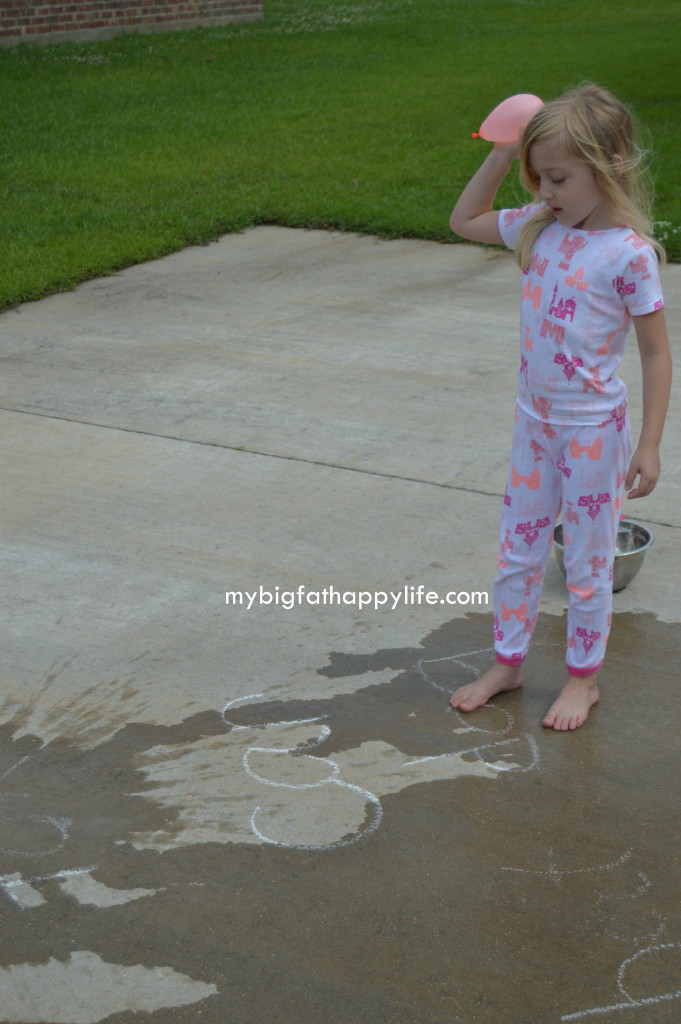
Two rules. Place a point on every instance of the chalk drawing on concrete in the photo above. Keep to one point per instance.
(459, 660)
(665, 958)
(623, 916)
(77, 883)
(52, 833)
(264, 783)
(369, 799)
(332, 777)
(466, 663)
(256, 696)
(22, 892)
(9, 771)
(286, 793)
(427, 668)
(424, 665)
(86, 989)
(499, 766)
(553, 874)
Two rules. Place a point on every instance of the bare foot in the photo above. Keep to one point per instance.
(572, 707)
(497, 679)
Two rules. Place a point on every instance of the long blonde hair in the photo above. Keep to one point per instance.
(599, 131)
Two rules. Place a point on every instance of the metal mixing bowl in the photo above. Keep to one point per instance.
(633, 540)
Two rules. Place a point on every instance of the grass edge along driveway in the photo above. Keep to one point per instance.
(347, 116)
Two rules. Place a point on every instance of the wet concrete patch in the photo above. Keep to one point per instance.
(407, 864)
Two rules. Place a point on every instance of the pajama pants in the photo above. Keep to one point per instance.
(581, 469)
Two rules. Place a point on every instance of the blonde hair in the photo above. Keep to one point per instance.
(599, 131)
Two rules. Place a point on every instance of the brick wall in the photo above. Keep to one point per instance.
(48, 21)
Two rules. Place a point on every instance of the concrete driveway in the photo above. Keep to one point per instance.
(264, 812)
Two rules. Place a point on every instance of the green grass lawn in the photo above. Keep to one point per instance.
(354, 116)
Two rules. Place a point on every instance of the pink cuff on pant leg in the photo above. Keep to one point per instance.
(583, 671)
(514, 660)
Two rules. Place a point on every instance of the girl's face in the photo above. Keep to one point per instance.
(569, 188)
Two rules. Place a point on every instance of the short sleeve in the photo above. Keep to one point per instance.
(511, 221)
(638, 284)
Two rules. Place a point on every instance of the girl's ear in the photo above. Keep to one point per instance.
(618, 163)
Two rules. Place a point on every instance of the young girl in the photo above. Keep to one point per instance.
(590, 268)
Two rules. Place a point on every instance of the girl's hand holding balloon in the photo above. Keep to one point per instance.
(506, 123)
(473, 216)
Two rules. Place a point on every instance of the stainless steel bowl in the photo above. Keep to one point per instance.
(633, 540)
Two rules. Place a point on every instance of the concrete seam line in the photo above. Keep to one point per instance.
(286, 458)
(251, 451)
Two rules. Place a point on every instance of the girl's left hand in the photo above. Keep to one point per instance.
(645, 464)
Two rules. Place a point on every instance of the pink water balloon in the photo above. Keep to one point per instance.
(507, 121)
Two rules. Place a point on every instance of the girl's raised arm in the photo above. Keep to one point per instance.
(473, 216)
